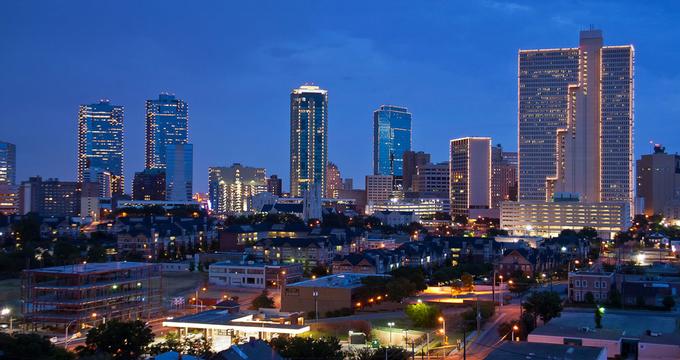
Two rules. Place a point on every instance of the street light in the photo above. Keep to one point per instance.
(315, 294)
(443, 330)
(66, 333)
(391, 325)
(94, 316)
(514, 328)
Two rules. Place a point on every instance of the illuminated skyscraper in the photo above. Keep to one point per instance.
(179, 172)
(100, 144)
(576, 121)
(167, 123)
(333, 181)
(308, 138)
(230, 189)
(391, 138)
(470, 175)
(9, 201)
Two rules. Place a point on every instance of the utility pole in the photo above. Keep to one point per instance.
(493, 287)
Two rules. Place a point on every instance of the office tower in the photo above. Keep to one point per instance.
(167, 123)
(274, 185)
(470, 175)
(49, 198)
(379, 188)
(348, 184)
(149, 184)
(100, 144)
(391, 138)
(333, 181)
(503, 176)
(9, 192)
(411, 162)
(432, 180)
(578, 100)
(308, 138)
(311, 203)
(658, 182)
(8, 163)
(231, 188)
(179, 172)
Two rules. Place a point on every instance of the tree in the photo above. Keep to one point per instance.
(588, 233)
(614, 297)
(422, 315)
(392, 353)
(398, 289)
(96, 253)
(122, 340)
(460, 220)
(568, 233)
(668, 302)
(467, 282)
(31, 347)
(262, 301)
(197, 346)
(319, 270)
(295, 348)
(544, 304)
(66, 252)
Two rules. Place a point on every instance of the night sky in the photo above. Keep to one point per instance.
(453, 64)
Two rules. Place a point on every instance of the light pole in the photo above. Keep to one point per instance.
(391, 325)
(197, 299)
(315, 294)
(66, 333)
(406, 339)
(500, 291)
(514, 328)
(8, 312)
(443, 330)
(94, 316)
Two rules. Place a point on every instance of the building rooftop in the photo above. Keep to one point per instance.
(91, 267)
(344, 280)
(530, 351)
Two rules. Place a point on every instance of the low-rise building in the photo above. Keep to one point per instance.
(513, 261)
(532, 350)
(396, 218)
(308, 251)
(599, 284)
(324, 294)
(253, 274)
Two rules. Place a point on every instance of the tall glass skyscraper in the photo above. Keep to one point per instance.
(308, 138)
(576, 121)
(391, 138)
(179, 172)
(100, 144)
(8, 163)
(167, 123)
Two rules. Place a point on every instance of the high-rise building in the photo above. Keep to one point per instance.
(580, 101)
(9, 192)
(274, 185)
(167, 123)
(470, 175)
(432, 180)
(231, 188)
(348, 184)
(412, 160)
(8, 163)
(308, 138)
(391, 138)
(503, 176)
(149, 184)
(179, 172)
(333, 181)
(658, 181)
(379, 188)
(100, 144)
(50, 197)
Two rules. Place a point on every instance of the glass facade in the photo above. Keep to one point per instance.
(100, 144)
(8, 163)
(167, 123)
(391, 138)
(231, 189)
(308, 138)
(179, 172)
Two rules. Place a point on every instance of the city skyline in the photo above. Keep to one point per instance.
(350, 117)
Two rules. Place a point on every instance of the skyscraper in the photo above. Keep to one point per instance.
(470, 175)
(100, 144)
(149, 185)
(391, 138)
(411, 162)
(179, 172)
(9, 192)
(333, 181)
(308, 138)
(658, 182)
(503, 176)
(274, 185)
(8, 163)
(167, 123)
(230, 189)
(580, 101)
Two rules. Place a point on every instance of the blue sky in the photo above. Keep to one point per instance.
(453, 64)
